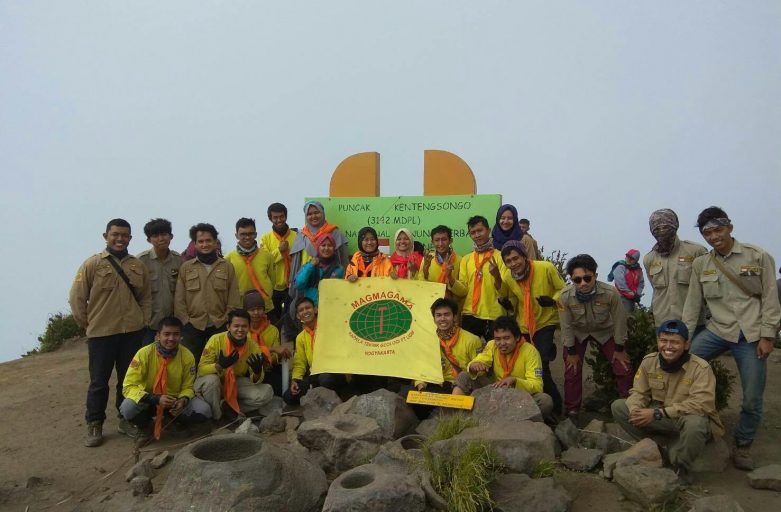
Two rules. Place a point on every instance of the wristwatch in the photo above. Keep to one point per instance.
(658, 414)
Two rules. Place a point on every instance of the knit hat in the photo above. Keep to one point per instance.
(634, 254)
(515, 245)
(253, 299)
(673, 327)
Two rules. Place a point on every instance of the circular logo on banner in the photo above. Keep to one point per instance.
(381, 320)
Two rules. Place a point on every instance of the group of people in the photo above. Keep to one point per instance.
(195, 339)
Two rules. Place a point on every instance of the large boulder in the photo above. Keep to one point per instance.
(375, 488)
(519, 446)
(581, 459)
(720, 503)
(319, 402)
(766, 477)
(519, 493)
(344, 440)
(567, 434)
(391, 412)
(714, 458)
(647, 486)
(644, 453)
(504, 405)
(594, 436)
(241, 473)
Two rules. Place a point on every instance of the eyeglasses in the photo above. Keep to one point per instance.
(584, 279)
(248, 235)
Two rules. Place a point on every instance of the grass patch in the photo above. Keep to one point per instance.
(545, 469)
(59, 328)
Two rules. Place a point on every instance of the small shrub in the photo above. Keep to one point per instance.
(559, 260)
(545, 469)
(725, 383)
(59, 328)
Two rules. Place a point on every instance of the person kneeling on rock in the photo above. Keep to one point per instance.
(159, 383)
(674, 394)
(231, 370)
(512, 362)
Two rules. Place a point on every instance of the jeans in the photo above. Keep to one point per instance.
(753, 372)
(543, 340)
(105, 354)
(573, 380)
(195, 339)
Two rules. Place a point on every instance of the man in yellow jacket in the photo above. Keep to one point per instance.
(159, 384)
(506, 362)
(231, 370)
(442, 263)
(278, 242)
(253, 264)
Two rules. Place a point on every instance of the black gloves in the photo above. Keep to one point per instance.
(545, 301)
(255, 361)
(505, 303)
(227, 361)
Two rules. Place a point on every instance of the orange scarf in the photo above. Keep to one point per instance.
(528, 307)
(230, 392)
(507, 366)
(324, 230)
(477, 290)
(447, 347)
(311, 333)
(160, 388)
(257, 336)
(251, 273)
(445, 262)
(286, 254)
(365, 270)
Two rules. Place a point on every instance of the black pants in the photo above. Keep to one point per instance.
(281, 301)
(478, 326)
(543, 340)
(148, 336)
(273, 377)
(105, 354)
(334, 381)
(195, 339)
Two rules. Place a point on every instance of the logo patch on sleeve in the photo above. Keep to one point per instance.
(538, 372)
(192, 370)
(134, 363)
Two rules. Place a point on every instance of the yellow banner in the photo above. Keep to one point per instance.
(441, 400)
(378, 326)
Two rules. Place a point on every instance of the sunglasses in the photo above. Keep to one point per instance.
(584, 279)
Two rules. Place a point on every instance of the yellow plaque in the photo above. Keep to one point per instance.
(441, 400)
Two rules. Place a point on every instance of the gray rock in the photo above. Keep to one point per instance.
(714, 458)
(241, 473)
(504, 405)
(291, 423)
(273, 423)
(519, 493)
(405, 453)
(375, 488)
(319, 402)
(766, 477)
(594, 436)
(141, 486)
(141, 468)
(345, 440)
(427, 427)
(614, 429)
(567, 434)
(520, 446)
(647, 486)
(160, 460)
(644, 453)
(276, 405)
(719, 503)
(581, 459)
(391, 412)
(247, 427)
(596, 403)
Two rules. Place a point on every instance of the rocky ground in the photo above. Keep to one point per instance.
(44, 465)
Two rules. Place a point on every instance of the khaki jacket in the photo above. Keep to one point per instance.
(670, 276)
(102, 302)
(602, 318)
(162, 277)
(733, 311)
(203, 297)
(531, 247)
(689, 391)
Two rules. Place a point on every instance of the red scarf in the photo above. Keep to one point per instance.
(402, 263)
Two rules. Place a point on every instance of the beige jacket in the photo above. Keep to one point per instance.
(205, 297)
(102, 302)
(689, 391)
(732, 310)
(603, 317)
(669, 276)
(162, 276)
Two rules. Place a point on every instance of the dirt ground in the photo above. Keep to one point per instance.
(45, 466)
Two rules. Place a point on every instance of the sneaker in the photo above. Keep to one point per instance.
(94, 434)
(741, 458)
(127, 428)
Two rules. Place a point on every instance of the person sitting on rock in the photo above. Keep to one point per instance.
(674, 394)
(266, 336)
(511, 363)
(306, 310)
(232, 370)
(159, 384)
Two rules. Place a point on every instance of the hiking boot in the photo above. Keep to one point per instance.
(94, 434)
(741, 458)
(127, 428)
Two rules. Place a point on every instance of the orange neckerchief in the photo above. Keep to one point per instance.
(286, 254)
(311, 333)
(160, 388)
(528, 307)
(477, 290)
(447, 347)
(324, 230)
(442, 277)
(251, 273)
(258, 338)
(507, 366)
(365, 270)
(229, 390)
